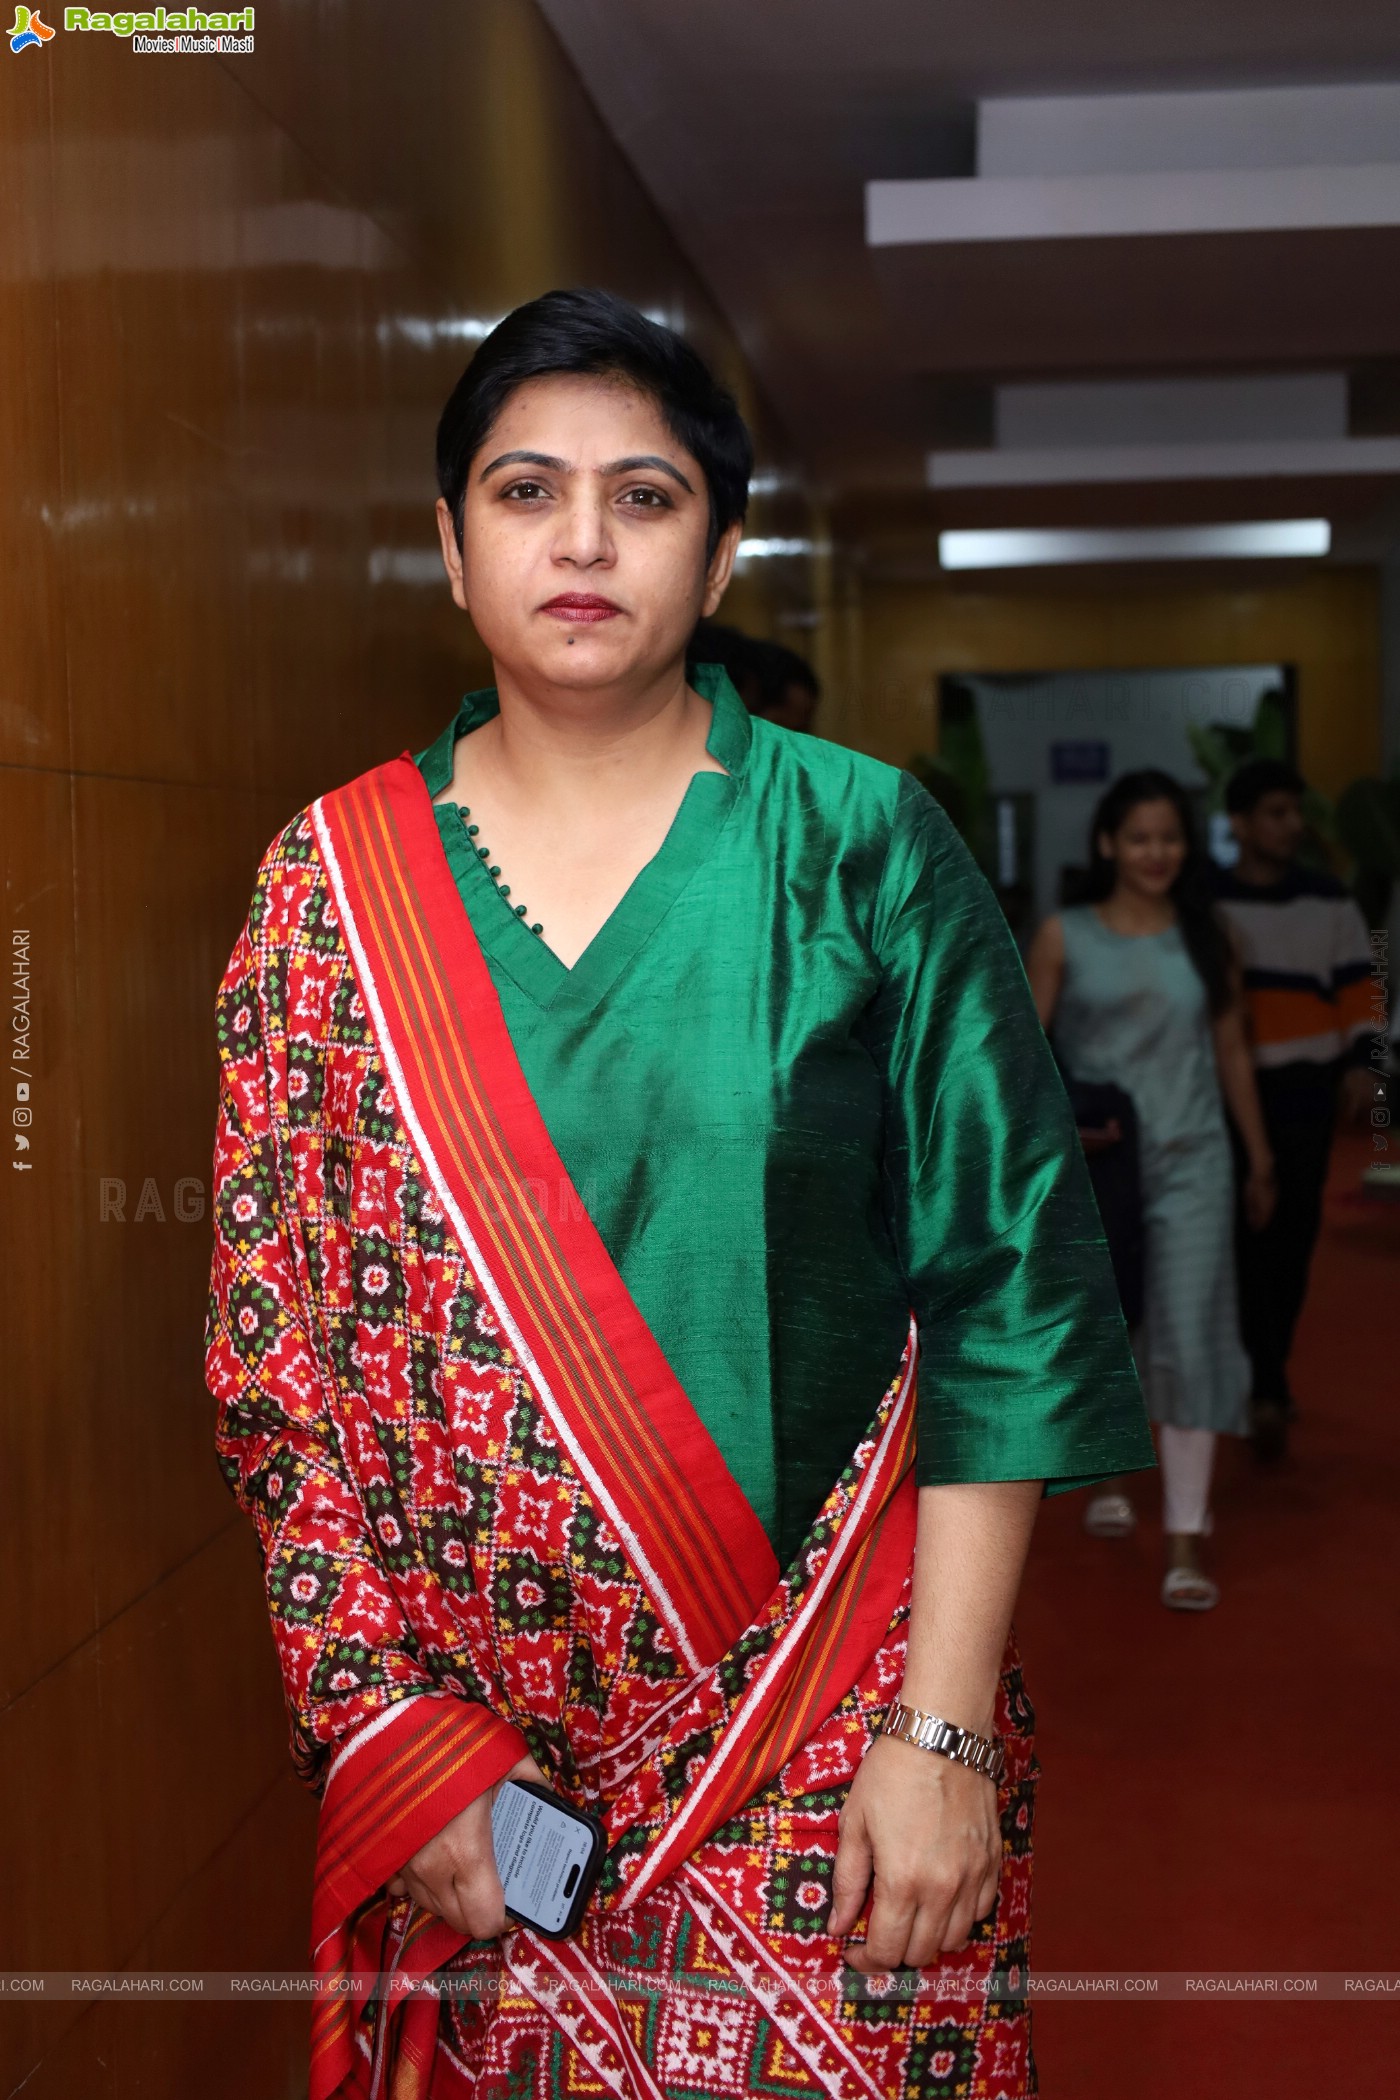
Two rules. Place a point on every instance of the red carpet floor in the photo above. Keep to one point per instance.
(1219, 1790)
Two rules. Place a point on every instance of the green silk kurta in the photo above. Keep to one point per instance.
(798, 1080)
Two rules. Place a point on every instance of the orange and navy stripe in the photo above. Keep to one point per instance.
(1287, 1006)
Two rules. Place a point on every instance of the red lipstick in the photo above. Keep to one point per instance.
(581, 608)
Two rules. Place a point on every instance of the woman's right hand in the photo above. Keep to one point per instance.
(454, 1874)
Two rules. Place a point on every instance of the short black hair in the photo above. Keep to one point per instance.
(783, 667)
(760, 671)
(595, 332)
(713, 643)
(1257, 777)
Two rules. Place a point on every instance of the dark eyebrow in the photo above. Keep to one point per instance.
(526, 459)
(561, 466)
(648, 459)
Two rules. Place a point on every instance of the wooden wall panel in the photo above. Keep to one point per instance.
(33, 690)
(48, 1461)
(161, 893)
(146, 179)
(234, 294)
(53, 1853)
(195, 1648)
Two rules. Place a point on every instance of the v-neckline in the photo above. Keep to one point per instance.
(548, 982)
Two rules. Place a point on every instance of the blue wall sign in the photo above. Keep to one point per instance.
(1078, 760)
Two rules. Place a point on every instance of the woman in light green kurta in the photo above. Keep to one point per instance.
(1140, 988)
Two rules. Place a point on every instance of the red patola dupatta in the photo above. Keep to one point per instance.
(491, 1520)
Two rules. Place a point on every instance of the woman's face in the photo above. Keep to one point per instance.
(583, 542)
(1148, 848)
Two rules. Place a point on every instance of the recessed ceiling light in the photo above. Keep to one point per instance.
(759, 549)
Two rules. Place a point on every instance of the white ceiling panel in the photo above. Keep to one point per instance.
(757, 128)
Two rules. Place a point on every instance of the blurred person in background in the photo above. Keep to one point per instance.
(773, 681)
(1138, 988)
(738, 654)
(1307, 963)
(790, 689)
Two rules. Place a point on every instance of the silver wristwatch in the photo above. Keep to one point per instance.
(980, 1753)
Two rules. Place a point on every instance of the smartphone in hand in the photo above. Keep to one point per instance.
(548, 1855)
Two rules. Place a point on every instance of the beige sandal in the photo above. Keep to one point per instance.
(1110, 1516)
(1189, 1589)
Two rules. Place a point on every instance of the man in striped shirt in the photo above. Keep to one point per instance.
(1306, 960)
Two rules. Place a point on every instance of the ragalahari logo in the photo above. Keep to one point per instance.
(28, 30)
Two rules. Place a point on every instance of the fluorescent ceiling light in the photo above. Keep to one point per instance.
(428, 330)
(1032, 550)
(1091, 207)
(1095, 464)
(772, 481)
(751, 549)
(416, 565)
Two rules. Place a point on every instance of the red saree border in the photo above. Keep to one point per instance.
(588, 2013)
(829, 2057)
(831, 1638)
(394, 1785)
(688, 1529)
(424, 1758)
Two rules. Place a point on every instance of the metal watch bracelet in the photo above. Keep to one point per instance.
(980, 1753)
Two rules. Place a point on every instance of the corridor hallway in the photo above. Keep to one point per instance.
(1217, 1790)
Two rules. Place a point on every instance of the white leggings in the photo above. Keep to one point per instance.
(1186, 1456)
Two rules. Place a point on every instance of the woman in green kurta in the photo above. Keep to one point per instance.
(798, 1084)
(747, 1003)
(780, 1036)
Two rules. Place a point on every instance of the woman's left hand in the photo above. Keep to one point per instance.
(1260, 1194)
(928, 1829)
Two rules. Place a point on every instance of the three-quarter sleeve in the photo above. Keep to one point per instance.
(1025, 1366)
